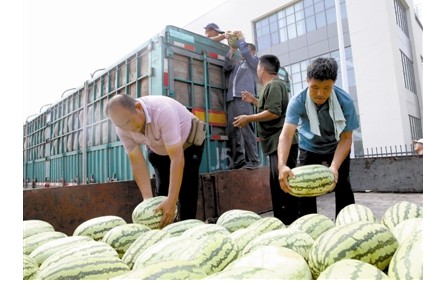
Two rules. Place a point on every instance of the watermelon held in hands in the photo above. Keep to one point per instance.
(311, 180)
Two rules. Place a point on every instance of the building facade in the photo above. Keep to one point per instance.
(379, 43)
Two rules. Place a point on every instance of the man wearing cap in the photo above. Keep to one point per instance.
(419, 146)
(213, 31)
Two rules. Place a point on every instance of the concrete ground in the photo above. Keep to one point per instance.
(377, 202)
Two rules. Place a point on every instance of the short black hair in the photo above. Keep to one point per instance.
(322, 69)
(251, 46)
(270, 63)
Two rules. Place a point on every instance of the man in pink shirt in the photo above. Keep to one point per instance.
(163, 125)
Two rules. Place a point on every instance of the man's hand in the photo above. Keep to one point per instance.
(284, 174)
(241, 121)
(336, 175)
(168, 209)
(249, 98)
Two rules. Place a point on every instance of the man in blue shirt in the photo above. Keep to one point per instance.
(326, 117)
(242, 77)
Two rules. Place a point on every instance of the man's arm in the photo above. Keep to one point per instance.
(243, 120)
(218, 38)
(176, 154)
(284, 145)
(140, 172)
(342, 150)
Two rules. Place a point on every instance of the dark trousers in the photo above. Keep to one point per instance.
(285, 206)
(242, 141)
(343, 191)
(188, 197)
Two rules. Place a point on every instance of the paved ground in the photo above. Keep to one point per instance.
(377, 202)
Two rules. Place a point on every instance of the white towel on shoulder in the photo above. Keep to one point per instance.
(335, 111)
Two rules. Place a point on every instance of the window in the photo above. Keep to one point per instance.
(296, 20)
(415, 127)
(408, 73)
(400, 16)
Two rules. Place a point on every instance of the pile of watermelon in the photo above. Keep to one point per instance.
(240, 245)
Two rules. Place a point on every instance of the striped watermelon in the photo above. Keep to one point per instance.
(407, 228)
(167, 249)
(142, 243)
(204, 230)
(266, 224)
(353, 213)
(212, 253)
(311, 180)
(121, 237)
(42, 252)
(399, 212)
(93, 267)
(32, 242)
(166, 270)
(29, 267)
(32, 227)
(177, 228)
(313, 224)
(407, 262)
(296, 240)
(144, 212)
(366, 241)
(244, 273)
(352, 269)
(84, 249)
(288, 264)
(96, 227)
(235, 219)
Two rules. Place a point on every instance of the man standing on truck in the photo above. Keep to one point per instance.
(242, 77)
(326, 117)
(174, 138)
(270, 117)
(213, 31)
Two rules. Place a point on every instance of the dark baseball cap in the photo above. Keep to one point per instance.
(214, 27)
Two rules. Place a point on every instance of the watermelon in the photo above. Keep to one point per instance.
(365, 241)
(399, 212)
(313, 224)
(33, 241)
(94, 267)
(96, 227)
(177, 228)
(244, 273)
(354, 213)
(166, 270)
(212, 253)
(311, 180)
(204, 230)
(287, 263)
(144, 212)
(266, 224)
(296, 240)
(352, 269)
(34, 226)
(84, 249)
(29, 267)
(167, 249)
(235, 219)
(407, 228)
(121, 237)
(42, 252)
(142, 243)
(407, 262)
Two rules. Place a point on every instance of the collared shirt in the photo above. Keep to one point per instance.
(168, 122)
(296, 115)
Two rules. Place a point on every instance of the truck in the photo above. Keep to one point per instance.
(71, 150)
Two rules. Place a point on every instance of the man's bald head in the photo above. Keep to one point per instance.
(121, 100)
